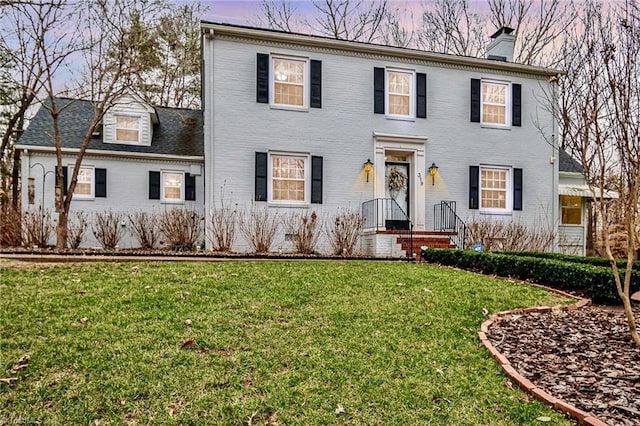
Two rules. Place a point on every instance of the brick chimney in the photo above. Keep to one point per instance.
(501, 46)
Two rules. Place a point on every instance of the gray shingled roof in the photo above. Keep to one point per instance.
(568, 163)
(179, 131)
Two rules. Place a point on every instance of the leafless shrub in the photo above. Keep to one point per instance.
(303, 230)
(259, 227)
(108, 229)
(181, 228)
(78, 225)
(37, 227)
(343, 231)
(510, 236)
(10, 224)
(144, 227)
(223, 225)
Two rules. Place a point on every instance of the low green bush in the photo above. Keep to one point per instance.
(596, 282)
(595, 261)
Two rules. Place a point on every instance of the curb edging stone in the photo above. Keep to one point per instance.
(525, 384)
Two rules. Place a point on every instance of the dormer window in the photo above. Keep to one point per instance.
(127, 129)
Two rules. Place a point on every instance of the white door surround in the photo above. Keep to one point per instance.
(413, 147)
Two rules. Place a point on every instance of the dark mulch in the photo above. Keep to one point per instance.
(585, 357)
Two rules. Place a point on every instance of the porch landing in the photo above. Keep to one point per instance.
(396, 243)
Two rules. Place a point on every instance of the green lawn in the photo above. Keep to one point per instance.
(285, 342)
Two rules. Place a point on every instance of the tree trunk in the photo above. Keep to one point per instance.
(62, 229)
(628, 312)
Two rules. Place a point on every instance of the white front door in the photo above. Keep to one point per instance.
(397, 178)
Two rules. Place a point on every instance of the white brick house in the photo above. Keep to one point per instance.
(290, 120)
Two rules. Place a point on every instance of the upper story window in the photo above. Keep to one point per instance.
(85, 183)
(400, 93)
(289, 178)
(494, 102)
(495, 190)
(172, 188)
(571, 209)
(290, 82)
(127, 129)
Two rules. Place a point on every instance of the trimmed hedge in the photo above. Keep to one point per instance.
(595, 261)
(596, 282)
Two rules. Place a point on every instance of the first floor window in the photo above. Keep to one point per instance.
(289, 178)
(571, 209)
(494, 188)
(399, 90)
(172, 186)
(127, 129)
(289, 81)
(84, 185)
(494, 102)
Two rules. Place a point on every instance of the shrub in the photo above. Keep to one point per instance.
(223, 225)
(107, 228)
(37, 227)
(259, 226)
(509, 235)
(303, 230)
(595, 261)
(144, 227)
(10, 225)
(76, 229)
(596, 282)
(181, 228)
(343, 231)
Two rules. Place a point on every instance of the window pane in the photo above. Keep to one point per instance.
(172, 186)
(288, 78)
(288, 178)
(571, 209)
(127, 128)
(494, 103)
(398, 104)
(399, 96)
(494, 189)
(83, 185)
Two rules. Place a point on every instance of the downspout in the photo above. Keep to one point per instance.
(207, 49)
(555, 164)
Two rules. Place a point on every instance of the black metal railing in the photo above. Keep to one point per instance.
(445, 219)
(386, 214)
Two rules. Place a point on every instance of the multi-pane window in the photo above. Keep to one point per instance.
(494, 188)
(399, 93)
(127, 128)
(494, 102)
(172, 186)
(288, 178)
(289, 77)
(571, 209)
(84, 185)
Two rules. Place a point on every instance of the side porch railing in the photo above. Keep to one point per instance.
(445, 219)
(386, 214)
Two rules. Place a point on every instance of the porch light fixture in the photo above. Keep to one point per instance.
(368, 166)
(433, 171)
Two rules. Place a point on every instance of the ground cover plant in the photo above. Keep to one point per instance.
(325, 342)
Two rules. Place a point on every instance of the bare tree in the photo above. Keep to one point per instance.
(278, 15)
(599, 113)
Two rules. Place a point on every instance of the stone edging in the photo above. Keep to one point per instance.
(581, 416)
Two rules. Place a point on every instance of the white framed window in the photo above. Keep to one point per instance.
(85, 186)
(495, 189)
(172, 187)
(495, 105)
(127, 129)
(571, 210)
(400, 92)
(289, 82)
(289, 178)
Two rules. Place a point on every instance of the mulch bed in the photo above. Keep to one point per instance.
(585, 357)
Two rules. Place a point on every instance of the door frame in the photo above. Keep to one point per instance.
(409, 186)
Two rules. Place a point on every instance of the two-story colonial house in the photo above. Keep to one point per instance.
(295, 121)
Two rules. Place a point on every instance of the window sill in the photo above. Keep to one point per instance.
(172, 202)
(496, 212)
(399, 117)
(572, 225)
(289, 205)
(495, 126)
(81, 198)
(289, 107)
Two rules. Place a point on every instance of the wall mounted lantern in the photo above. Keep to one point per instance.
(433, 171)
(368, 166)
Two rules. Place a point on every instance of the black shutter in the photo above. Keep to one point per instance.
(475, 100)
(65, 179)
(474, 187)
(189, 187)
(378, 90)
(316, 180)
(262, 80)
(516, 105)
(101, 183)
(421, 95)
(517, 189)
(154, 185)
(261, 176)
(316, 84)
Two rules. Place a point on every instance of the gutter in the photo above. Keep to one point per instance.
(121, 154)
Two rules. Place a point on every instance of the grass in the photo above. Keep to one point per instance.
(285, 342)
